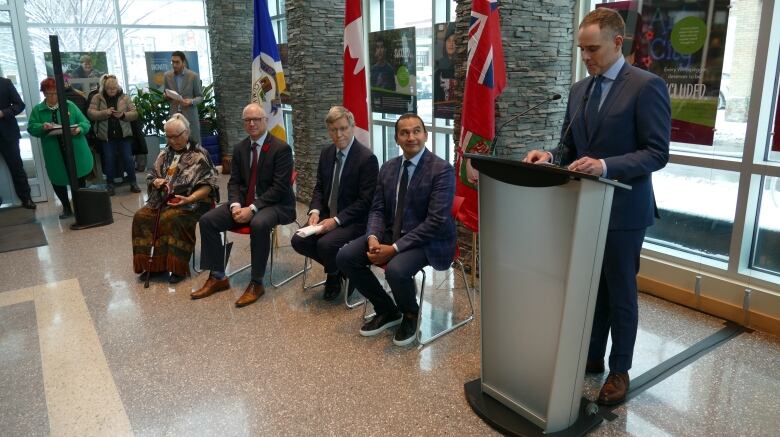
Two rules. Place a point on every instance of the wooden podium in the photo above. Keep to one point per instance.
(542, 231)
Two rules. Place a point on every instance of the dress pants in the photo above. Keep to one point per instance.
(13, 158)
(323, 248)
(220, 219)
(616, 305)
(399, 273)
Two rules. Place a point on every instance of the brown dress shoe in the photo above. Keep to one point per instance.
(614, 389)
(251, 294)
(211, 286)
(594, 366)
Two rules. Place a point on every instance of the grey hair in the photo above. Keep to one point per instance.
(337, 112)
(178, 118)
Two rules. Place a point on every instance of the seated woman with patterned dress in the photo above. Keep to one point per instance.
(183, 182)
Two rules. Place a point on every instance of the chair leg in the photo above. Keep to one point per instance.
(345, 290)
(225, 257)
(273, 251)
(306, 267)
(469, 318)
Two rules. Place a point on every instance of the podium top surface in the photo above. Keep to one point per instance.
(531, 175)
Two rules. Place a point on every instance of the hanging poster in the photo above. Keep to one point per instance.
(393, 71)
(683, 43)
(81, 69)
(444, 71)
(157, 63)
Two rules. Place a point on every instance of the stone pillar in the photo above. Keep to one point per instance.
(316, 37)
(538, 41)
(231, 60)
(747, 18)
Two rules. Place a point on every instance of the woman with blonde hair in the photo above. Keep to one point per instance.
(112, 111)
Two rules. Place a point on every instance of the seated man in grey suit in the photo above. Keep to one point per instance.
(187, 83)
(617, 125)
(410, 226)
(346, 179)
(260, 195)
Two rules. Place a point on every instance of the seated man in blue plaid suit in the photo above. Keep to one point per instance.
(420, 232)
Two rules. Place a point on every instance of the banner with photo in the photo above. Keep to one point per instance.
(81, 69)
(444, 71)
(157, 63)
(684, 44)
(392, 57)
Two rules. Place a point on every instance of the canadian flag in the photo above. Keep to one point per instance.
(355, 94)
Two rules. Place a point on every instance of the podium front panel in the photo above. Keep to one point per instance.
(540, 258)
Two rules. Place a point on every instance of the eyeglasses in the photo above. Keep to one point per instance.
(170, 137)
(336, 130)
(254, 120)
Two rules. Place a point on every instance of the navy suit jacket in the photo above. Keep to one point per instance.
(631, 134)
(274, 173)
(356, 186)
(11, 105)
(428, 221)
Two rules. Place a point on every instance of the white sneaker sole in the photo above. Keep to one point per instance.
(378, 330)
(406, 342)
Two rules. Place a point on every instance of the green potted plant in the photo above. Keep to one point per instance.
(209, 126)
(152, 112)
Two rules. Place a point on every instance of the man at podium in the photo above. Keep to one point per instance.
(617, 126)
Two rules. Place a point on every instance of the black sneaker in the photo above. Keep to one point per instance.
(379, 323)
(332, 287)
(134, 188)
(110, 190)
(66, 213)
(405, 334)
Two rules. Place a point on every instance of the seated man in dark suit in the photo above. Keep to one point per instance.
(418, 233)
(259, 195)
(346, 179)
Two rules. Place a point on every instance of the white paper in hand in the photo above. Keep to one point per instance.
(174, 95)
(308, 231)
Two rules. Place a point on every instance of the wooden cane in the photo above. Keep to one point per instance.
(156, 231)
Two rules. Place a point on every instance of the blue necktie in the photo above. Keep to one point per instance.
(399, 205)
(592, 111)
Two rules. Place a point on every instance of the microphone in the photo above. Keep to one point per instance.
(515, 117)
(561, 143)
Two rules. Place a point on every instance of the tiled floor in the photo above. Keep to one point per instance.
(158, 363)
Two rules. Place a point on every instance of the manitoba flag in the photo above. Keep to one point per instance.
(485, 80)
(267, 75)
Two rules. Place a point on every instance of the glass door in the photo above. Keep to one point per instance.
(12, 67)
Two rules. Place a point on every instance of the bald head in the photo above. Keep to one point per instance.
(255, 120)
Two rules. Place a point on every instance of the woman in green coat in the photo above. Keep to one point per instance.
(43, 119)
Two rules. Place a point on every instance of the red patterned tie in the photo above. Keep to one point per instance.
(252, 182)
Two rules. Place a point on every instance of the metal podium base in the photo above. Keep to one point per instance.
(508, 422)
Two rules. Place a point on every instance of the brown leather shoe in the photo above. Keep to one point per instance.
(614, 389)
(594, 366)
(211, 286)
(251, 294)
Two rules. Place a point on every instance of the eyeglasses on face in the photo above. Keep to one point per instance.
(170, 137)
(254, 120)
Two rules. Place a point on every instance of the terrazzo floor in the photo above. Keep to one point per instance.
(86, 350)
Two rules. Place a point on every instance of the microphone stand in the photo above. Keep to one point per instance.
(562, 143)
(515, 117)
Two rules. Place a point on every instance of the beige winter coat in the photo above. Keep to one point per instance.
(97, 113)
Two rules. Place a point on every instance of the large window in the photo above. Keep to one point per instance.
(124, 29)
(422, 16)
(719, 202)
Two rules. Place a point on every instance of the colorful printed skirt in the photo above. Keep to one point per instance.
(175, 242)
